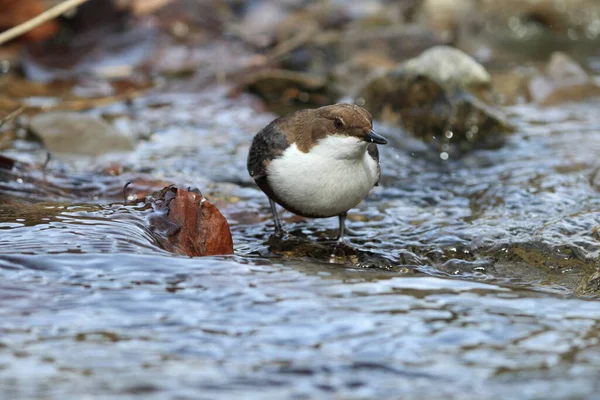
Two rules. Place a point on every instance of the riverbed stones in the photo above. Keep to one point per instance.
(517, 19)
(564, 80)
(443, 97)
(74, 133)
(576, 18)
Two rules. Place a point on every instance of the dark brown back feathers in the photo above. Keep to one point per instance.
(305, 128)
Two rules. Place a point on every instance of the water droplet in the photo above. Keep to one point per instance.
(360, 101)
(449, 134)
(444, 155)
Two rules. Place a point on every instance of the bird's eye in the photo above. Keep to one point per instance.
(338, 123)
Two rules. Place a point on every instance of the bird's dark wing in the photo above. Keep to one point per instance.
(374, 153)
(267, 145)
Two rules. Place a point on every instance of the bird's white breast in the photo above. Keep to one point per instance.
(333, 177)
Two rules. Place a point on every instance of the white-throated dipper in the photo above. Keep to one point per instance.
(317, 163)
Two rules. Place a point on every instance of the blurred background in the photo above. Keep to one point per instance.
(297, 54)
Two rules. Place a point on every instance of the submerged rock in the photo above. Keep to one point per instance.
(443, 97)
(294, 246)
(78, 133)
(565, 80)
(186, 223)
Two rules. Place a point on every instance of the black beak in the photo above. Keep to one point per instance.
(374, 138)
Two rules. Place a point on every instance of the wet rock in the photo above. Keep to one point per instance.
(450, 67)
(589, 285)
(78, 133)
(564, 81)
(443, 97)
(296, 246)
(594, 179)
(279, 87)
(186, 223)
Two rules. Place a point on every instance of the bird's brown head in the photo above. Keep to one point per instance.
(310, 126)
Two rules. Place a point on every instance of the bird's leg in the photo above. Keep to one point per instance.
(342, 227)
(278, 228)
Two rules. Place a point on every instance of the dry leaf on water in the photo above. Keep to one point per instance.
(189, 224)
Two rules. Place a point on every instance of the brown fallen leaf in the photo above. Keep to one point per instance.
(182, 221)
(16, 12)
(188, 224)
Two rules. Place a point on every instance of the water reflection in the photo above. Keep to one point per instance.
(105, 324)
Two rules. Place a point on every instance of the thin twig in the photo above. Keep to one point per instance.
(11, 115)
(40, 19)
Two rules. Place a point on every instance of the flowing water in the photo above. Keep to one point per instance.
(473, 278)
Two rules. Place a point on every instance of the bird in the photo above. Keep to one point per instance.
(317, 163)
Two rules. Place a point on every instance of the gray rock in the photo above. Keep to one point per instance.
(449, 67)
(78, 133)
(443, 97)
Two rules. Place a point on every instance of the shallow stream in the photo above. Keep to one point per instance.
(474, 278)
